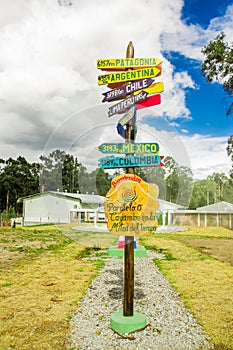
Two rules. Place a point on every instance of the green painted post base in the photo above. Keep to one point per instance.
(140, 252)
(126, 324)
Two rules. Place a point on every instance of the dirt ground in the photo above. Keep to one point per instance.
(218, 248)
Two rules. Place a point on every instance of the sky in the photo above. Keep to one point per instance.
(50, 99)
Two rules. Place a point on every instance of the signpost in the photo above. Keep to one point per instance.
(127, 89)
(130, 161)
(131, 206)
(121, 130)
(128, 309)
(131, 203)
(152, 89)
(127, 103)
(148, 147)
(136, 74)
(149, 102)
(128, 116)
(128, 62)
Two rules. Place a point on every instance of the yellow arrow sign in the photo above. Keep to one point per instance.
(152, 89)
(136, 74)
(114, 63)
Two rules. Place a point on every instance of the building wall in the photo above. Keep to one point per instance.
(48, 208)
(87, 215)
(202, 219)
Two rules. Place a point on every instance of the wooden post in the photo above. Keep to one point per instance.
(129, 240)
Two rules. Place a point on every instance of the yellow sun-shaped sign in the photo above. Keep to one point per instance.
(131, 205)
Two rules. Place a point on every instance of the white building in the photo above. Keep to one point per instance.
(57, 207)
(217, 214)
(64, 207)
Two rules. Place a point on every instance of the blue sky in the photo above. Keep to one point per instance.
(208, 103)
(202, 11)
(50, 99)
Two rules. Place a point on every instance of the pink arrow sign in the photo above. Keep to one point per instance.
(150, 101)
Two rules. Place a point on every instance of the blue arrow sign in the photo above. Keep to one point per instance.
(121, 130)
(132, 161)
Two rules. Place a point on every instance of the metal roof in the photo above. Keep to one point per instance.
(220, 207)
(84, 198)
(165, 205)
(97, 199)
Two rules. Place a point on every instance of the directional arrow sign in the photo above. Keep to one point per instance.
(128, 89)
(128, 116)
(150, 101)
(125, 104)
(129, 75)
(136, 148)
(131, 161)
(106, 63)
(121, 130)
(152, 89)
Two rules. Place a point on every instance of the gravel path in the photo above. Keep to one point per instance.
(170, 325)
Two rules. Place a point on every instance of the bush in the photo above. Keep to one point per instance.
(6, 216)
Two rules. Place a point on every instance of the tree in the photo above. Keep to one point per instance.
(157, 176)
(103, 182)
(178, 182)
(185, 177)
(217, 187)
(230, 152)
(218, 64)
(59, 171)
(204, 193)
(170, 166)
(70, 170)
(220, 180)
(51, 170)
(18, 178)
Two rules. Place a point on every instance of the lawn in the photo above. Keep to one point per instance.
(43, 277)
(198, 263)
(44, 274)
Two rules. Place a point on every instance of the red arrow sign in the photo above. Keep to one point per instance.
(150, 101)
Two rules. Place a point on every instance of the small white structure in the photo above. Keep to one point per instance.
(55, 207)
(166, 208)
(218, 214)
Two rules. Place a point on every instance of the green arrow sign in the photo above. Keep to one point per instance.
(135, 148)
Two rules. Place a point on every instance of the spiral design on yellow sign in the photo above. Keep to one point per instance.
(129, 195)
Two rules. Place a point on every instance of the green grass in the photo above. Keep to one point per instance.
(203, 279)
(45, 271)
(43, 277)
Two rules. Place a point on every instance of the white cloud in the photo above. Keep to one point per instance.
(189, 39)
(207, 154)
(48, 78)
(224, 24)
